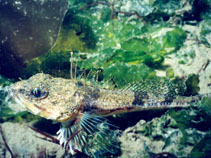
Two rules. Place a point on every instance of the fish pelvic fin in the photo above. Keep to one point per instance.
(90, 134)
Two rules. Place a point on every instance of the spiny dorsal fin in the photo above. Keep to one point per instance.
(157, 86)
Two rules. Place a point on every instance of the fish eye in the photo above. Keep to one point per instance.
(37, 93)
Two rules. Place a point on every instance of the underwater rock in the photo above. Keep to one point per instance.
(27, 30)
(168, 134)
(24, 142)
(133, 144)
(193, 58)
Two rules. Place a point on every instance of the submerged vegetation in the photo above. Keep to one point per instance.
(115, 37)
(129, 40)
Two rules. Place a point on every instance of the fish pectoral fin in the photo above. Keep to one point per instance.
(91, 134)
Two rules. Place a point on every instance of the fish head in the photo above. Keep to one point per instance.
(48, 97)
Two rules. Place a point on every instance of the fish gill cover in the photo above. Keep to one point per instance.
(129, 40)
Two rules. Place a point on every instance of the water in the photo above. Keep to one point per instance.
(117, 43)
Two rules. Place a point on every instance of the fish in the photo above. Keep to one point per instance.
(82, 108)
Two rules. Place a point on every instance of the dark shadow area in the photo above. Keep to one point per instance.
(47, 126)
(28, 29)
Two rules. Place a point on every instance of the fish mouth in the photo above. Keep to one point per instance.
(21, 101)
(52, 114)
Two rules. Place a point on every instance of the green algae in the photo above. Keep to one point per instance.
(170, 73)
(131, 73)
(206, 32)
(174, 39)
(192, 83)
(5, 111)
(203, 148)
(86, 32)
(57, 61)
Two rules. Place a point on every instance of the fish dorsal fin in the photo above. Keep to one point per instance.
(156, 88)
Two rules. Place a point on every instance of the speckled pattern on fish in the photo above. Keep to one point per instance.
(80, 106)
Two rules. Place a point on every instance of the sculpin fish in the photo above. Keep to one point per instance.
(82, 108)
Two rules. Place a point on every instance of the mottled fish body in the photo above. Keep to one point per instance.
(81, 107)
